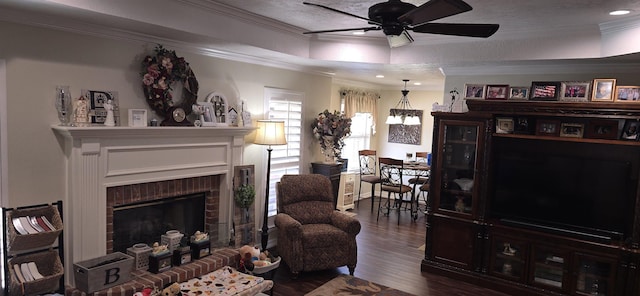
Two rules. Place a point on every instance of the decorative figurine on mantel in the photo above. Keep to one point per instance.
(456, 106)
(200, 245)
(200, 236)
(109, 120)
(159, 249)
(81, 112)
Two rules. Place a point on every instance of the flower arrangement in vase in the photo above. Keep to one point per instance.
(330, 129)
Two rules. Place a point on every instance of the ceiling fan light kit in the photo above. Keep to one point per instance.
(396, 18)
(399, 40)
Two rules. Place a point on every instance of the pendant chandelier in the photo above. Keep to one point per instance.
(402, 113)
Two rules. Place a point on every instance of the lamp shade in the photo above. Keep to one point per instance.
(394, 119)
(412, 120)
(270, 132)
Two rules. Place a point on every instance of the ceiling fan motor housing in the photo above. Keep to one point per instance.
(387, 13)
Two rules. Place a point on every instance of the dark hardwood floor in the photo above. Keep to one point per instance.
(388, 254)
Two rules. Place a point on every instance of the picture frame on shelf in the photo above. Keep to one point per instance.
(504, 125)
(246, 119)
(630, 130)
(474, 91)
(220, 108)
(602, 129)
(603, 90)
(546, 127)
(206, 114)
(97, 112)
(518, 93)
(575, 91)
(524, 125)
(137, 117)
(497, 92)
(545, 90)
(626, 93)
(571, 130)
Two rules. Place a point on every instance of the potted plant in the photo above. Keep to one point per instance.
(330, 129)
(244, 196)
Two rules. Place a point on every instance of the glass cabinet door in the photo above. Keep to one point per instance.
(548, 268)
(457, 168)
(508, 258)
(594, 276)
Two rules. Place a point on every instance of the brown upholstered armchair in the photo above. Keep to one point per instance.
(311, 234)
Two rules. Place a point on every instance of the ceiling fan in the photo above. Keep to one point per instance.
(395, 18)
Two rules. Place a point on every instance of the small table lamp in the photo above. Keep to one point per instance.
(270, 132)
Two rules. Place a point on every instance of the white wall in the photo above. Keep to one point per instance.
(38, 59)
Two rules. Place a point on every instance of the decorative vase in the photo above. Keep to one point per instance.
(329, 152)
(64, 105)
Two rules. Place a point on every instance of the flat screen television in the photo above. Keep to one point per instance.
(574, 188)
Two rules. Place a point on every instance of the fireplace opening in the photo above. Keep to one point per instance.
(145, 222)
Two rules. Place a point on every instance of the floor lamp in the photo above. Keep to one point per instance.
(270, 132)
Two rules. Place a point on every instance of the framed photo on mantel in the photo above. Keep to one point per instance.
(545, 90)
(497, 92)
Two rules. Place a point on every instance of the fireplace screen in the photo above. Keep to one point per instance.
(145, 222)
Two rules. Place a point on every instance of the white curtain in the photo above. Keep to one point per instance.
(360, 101)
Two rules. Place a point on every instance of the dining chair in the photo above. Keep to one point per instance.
(391, 175)
(424, 194)
(368, 160)
(421, 157)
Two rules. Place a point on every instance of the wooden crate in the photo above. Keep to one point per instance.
(103, 272)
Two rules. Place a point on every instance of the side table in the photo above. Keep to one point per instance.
(331, 171)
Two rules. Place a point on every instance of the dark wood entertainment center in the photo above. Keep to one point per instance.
(470, 235)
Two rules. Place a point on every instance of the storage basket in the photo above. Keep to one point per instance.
(22, 242)
(49, 266)
(267, 271)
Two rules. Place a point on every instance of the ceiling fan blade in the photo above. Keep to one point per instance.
(433, 10)
(468, 30)
(344, 30)
(343, 12)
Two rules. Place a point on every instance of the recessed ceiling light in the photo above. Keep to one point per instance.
(358, 33)
(620, 12)
(379, 76)
(417, 83)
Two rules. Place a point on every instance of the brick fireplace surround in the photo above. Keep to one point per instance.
(144, 192)
(110, 166)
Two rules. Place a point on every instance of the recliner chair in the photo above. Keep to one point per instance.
(311, 234)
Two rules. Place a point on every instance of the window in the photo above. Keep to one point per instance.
(360, 139)
(285, 159)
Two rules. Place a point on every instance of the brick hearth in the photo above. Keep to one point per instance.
(142, 279)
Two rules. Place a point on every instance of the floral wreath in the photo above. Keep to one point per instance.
(160, 72)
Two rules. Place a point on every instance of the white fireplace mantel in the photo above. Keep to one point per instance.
(101, 157)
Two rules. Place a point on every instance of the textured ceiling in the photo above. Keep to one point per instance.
(541, 32)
